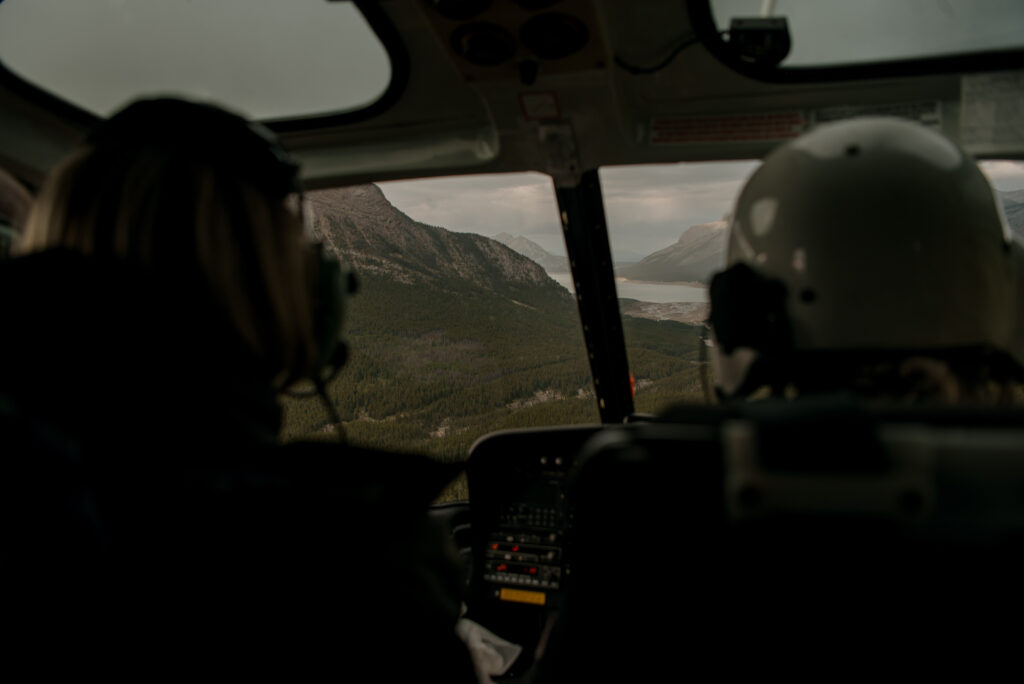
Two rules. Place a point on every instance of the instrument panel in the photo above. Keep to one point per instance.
(525, 547)
(517, 482)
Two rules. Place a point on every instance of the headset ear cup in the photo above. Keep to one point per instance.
(750, 322)
(749, 310)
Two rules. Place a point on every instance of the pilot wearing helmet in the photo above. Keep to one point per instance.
(869, 256)
(868, 265)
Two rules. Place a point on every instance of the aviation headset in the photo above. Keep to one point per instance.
(230, 144)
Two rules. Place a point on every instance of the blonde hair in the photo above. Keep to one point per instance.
(189, 219)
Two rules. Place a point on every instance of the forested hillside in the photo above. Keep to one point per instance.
(453, 335)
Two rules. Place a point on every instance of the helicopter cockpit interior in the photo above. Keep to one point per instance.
(617, 521)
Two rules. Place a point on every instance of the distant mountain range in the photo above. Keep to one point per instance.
(1013, 207)
(552, 263)
(695, 257)
(700, 251)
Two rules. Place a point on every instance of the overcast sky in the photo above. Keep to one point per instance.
(648, 207)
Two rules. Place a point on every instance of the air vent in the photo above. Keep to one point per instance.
(524, 40)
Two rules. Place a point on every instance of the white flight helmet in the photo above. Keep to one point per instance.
(865, 236)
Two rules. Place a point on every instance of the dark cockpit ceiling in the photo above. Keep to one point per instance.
(558, 87)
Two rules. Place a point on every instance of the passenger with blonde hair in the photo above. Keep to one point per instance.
(199, 196)
(165, 293)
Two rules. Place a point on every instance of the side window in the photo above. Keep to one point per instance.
(668, 226)
(1007, 179)
(463, 324)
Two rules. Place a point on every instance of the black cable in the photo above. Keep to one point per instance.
(635, 69)
(332, 410)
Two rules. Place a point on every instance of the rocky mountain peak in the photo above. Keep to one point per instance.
(702, 231)
(552, 263)
(364, 229)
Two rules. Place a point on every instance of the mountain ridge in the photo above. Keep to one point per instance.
(700, 250)
(552, 263)
(696, 256)
(362, 227)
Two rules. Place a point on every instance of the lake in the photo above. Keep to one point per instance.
(644, 291)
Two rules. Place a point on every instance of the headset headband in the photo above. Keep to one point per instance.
(198, 132)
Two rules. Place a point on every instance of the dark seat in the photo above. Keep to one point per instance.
(289, 560)
(46, 502)
(793, 538)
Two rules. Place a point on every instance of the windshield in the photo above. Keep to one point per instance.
(463, 324)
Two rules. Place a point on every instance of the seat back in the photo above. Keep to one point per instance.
(793, 536)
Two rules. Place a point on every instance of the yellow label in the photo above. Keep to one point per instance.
(537, 598)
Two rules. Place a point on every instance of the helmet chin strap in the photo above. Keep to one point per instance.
(332, 410)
